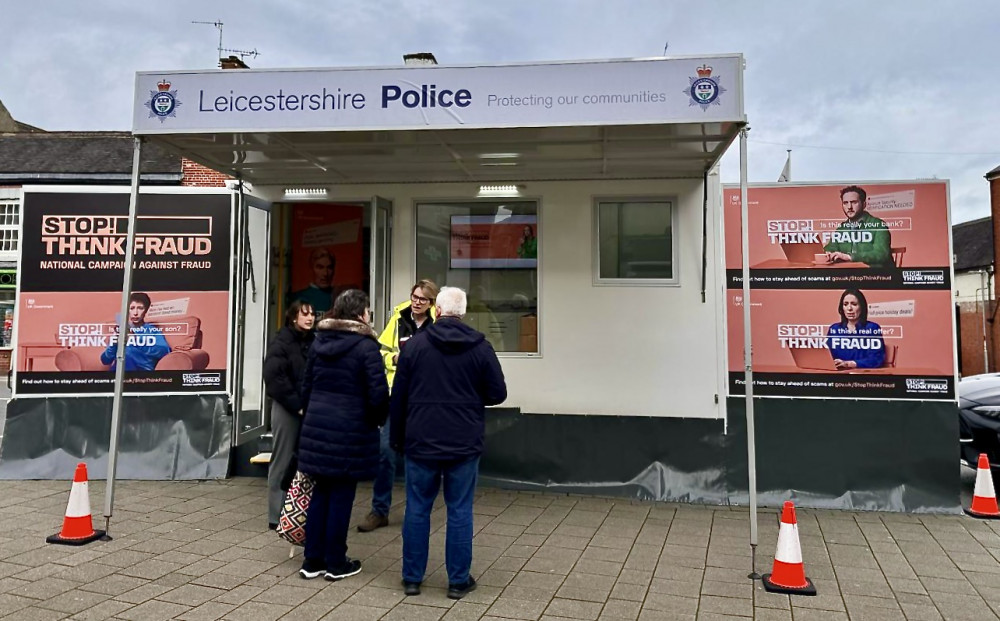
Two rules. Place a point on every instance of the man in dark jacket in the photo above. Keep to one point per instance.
(445, 378)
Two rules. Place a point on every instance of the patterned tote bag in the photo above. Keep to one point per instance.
(292, 522)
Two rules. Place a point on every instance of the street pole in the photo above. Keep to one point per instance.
(747, 355)
(982, 312)
(123, 332)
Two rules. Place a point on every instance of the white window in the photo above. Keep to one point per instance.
(490, 249)
(10, 213)
(635, 241)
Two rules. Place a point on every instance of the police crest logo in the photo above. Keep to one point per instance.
(163, 102)
(704, 90)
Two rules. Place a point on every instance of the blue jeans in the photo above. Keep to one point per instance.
(327, 520)
(423, 479)
(382, 489)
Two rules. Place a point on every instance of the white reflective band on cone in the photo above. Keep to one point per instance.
(79, 501)
(984, 484)
(788, 544)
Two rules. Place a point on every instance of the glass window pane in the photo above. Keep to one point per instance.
(635, 240)
(490, 249)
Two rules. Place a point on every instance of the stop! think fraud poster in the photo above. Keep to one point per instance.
(69, 298)
(850, 290)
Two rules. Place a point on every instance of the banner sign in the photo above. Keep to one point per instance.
(851, 290)
(327, 253)
(494, 242)
(632, 92)
(69, 293)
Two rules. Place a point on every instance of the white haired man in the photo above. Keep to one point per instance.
(445, 378)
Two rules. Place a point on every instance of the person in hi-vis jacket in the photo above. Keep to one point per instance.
(408, 318)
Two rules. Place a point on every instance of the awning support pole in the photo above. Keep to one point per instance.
(123, 331)
(748, 354)
(704, 233)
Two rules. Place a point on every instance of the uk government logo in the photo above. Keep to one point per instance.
(704, 90)
(163, 102)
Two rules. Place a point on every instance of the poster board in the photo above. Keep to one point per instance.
(850, 290)
(70, 282)
(327, 253)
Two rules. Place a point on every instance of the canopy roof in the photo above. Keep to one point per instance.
(648, 118)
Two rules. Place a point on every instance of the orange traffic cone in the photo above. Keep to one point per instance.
(788, 574)
(984, 498)
(78, 526)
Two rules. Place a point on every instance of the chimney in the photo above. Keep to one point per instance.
(232, 62)
(420, 59)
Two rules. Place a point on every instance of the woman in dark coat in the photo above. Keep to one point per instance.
(284, 370)
(346, 399)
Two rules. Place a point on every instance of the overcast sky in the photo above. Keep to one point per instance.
(859, 90)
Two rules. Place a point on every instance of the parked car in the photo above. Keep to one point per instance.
(979, 419)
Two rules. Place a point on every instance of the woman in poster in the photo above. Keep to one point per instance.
(529, 244)
(855, 342)
(346, 400)
(284, 369)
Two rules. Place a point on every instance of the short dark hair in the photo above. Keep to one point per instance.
(857, 190)
(141, 298)
(350, 304)
(862, 302)
(293, 311)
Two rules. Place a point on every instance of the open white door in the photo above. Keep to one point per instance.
(378, 267)
(253, 248)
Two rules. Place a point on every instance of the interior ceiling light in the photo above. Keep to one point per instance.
(305, 193)
(498, 159)
(500, 190)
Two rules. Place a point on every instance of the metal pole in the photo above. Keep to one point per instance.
(748, 355)
(986, 356)
(123, 331)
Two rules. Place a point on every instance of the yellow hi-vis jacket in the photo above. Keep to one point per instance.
(389, 339)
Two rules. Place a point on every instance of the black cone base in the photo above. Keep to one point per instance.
(770, 587)
(75, 542)
(981, 516)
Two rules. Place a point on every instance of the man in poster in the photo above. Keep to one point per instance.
(146, 343)
(320, 292)
(870, 240)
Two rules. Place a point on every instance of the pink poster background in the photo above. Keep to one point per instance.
(306, 221)
(925, 345)
(486, 241)
(926, 243)
(41, 313)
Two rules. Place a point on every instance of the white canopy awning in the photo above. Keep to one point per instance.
(621, 119)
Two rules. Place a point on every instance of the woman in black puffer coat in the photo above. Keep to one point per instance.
(284, 370)
(346, 400)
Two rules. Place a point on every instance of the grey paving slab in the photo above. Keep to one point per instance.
(200, 551)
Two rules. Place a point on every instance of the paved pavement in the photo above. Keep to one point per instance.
(200, 550)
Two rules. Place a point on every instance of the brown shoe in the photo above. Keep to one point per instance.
(373, 521)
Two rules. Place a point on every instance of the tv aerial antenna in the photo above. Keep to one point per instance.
(243, 53)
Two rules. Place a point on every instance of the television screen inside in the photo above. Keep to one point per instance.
(494, 242)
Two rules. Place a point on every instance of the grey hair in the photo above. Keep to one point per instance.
(451, 301)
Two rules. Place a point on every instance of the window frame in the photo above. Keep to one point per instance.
(417, 201)
(598, 280)
(10, 197)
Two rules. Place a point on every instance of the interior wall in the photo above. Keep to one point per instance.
(614, 350)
